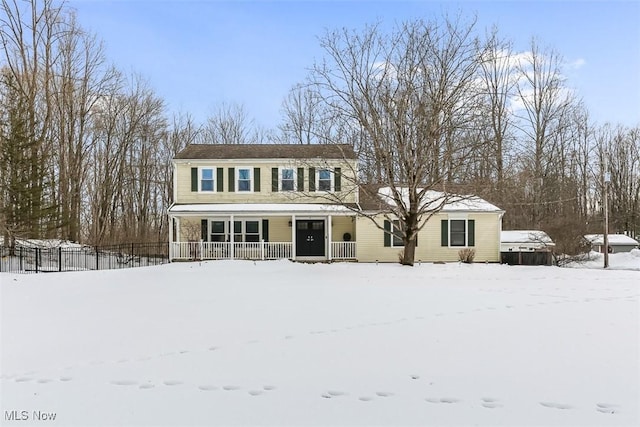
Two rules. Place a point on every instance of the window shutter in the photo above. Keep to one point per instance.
(265, 230)
(232, 180)
(220, 178)
(444, 232)
(337, 178)
(387, 233)
(204, 229)
(471, 238)
(194, 179)
(300, 179)
(312, 179)
(256, 180)
(274, 179)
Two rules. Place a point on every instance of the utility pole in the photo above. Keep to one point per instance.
(605, 206)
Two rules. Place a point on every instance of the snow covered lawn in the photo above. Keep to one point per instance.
(281, 343)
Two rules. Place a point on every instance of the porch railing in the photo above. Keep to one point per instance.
(245, 250)
(343, 250)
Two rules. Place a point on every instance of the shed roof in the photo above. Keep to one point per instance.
(614, 239)
(266, 151)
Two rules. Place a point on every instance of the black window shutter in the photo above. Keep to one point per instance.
(300, 179)
(256, 180)
(194, 179)
(471, 238)
(337, 179)
(312, 179)
(387, 233)
(232, 180)
(204, 229)
(220, 178)
(444, 232)
(265, 230)
(274, 179)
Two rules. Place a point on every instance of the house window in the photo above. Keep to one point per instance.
(218, 233)
(206, 179)
(397, 234)
(458, 232)
(252, 231)
(287, 180)
(244, 179)
(324, 180)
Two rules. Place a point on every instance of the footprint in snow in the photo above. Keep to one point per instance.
(384, 393)
(65, 379)
(146, 386)
(269, 387)
(207, 387)
(607, 408)
(124, 382)
(554, 405)
(23, 379)
(230, 387)
(415, 377)
(333, 393)
(256, 392)
(442, 400)
(491, 403)
(365, 398)
(213, 348)
(172, 382)
(44, 380)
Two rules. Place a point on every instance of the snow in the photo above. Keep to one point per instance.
(454, 203)
(614, 239)
(525, 236)
(282, 343)
(620, 261)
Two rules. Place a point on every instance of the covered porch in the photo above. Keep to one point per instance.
(296, 231)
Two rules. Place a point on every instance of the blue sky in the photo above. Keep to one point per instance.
(197, 54)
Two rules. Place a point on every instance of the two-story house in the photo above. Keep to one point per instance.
(301, 202)
(264, 201)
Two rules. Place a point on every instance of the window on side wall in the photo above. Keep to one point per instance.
(396, 238)
(458, 233)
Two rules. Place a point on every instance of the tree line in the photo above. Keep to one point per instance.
(86, 149)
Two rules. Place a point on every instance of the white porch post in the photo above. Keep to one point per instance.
(293, 237)
(232, 238)
(329, 254)
(170, 237)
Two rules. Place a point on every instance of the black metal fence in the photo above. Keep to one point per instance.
(23, 259)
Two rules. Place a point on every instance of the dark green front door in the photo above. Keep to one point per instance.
(309, 237)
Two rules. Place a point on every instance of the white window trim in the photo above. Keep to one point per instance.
(295, 178)
(251, 178)
(214, 178)
(229, 228)
(393, 227)
(331, 179)
(464, 218)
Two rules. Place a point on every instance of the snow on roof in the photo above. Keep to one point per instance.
(454, 202)
(614, 239)
(240, 208)
(525, 236)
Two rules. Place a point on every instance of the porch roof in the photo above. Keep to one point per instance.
(261, 208)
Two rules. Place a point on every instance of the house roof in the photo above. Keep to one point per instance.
(614, 239)
(266, 151)
(372, 199)
(526, 236)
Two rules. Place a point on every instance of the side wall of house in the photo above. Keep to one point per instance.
(370, 247)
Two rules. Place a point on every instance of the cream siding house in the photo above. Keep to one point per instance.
(264, 202)
(463, 222)
(301, 202)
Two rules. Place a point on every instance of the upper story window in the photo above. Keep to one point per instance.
(324, 180)
(287, 180)
(244, 179)
(207, 179)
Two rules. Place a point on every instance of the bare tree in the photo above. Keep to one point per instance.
(230, 124)
(408, 95)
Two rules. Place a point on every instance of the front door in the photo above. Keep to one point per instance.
(309, 237)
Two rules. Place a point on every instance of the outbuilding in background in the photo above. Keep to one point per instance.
(526, 247)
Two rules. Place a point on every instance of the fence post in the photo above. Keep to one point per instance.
(262, 249)
(21, 260)
(97, 259)
(37, 256)
(59, 258)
